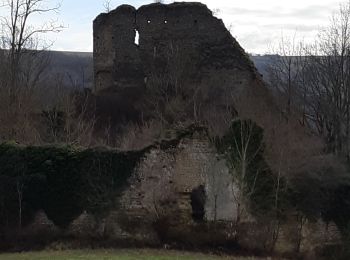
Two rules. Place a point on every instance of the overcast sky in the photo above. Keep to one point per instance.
(254, 23)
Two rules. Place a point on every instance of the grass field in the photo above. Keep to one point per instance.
(116, 254)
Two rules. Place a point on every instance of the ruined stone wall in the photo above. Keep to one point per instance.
(165, 179)
(173, 34)
(218, 65)
(116, 59)
(161, 187)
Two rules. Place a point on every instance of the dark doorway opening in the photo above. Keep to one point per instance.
(198, 203)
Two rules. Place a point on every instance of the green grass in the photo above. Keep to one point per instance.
(115, 254)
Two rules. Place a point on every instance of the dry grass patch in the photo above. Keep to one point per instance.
(141, 254)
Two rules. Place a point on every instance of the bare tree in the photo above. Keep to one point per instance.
(107, 6)
(174, 96)
(329, 81)
(243, 147)
(279, 191)
(20, 188)
(322, 81)
(285, 74)
(24, 94)
(21, 37)
(313, 80)
(70, 116)
(23, 64)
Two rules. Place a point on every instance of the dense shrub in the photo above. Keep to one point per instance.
(63, 181)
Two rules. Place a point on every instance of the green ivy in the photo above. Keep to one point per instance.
(259, 182)
(63, 181)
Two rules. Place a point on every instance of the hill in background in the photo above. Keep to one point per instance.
(77, 67)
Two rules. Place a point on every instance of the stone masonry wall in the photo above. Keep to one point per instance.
(163, 183)
(162, 187)
(217, 64)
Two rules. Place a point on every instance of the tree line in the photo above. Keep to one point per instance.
(313, 81)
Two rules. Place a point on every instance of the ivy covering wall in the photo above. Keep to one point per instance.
(63, 181)
(243, 148)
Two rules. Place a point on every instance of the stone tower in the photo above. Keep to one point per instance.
(120, 63)
(187, 31)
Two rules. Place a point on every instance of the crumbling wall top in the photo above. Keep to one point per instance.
(183, 42)
(194, 6)
(119, 11)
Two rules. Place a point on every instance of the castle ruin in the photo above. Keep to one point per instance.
(184, 41)
(120, 63)
(183, 45)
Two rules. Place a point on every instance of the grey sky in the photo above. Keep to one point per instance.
(255, 23)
